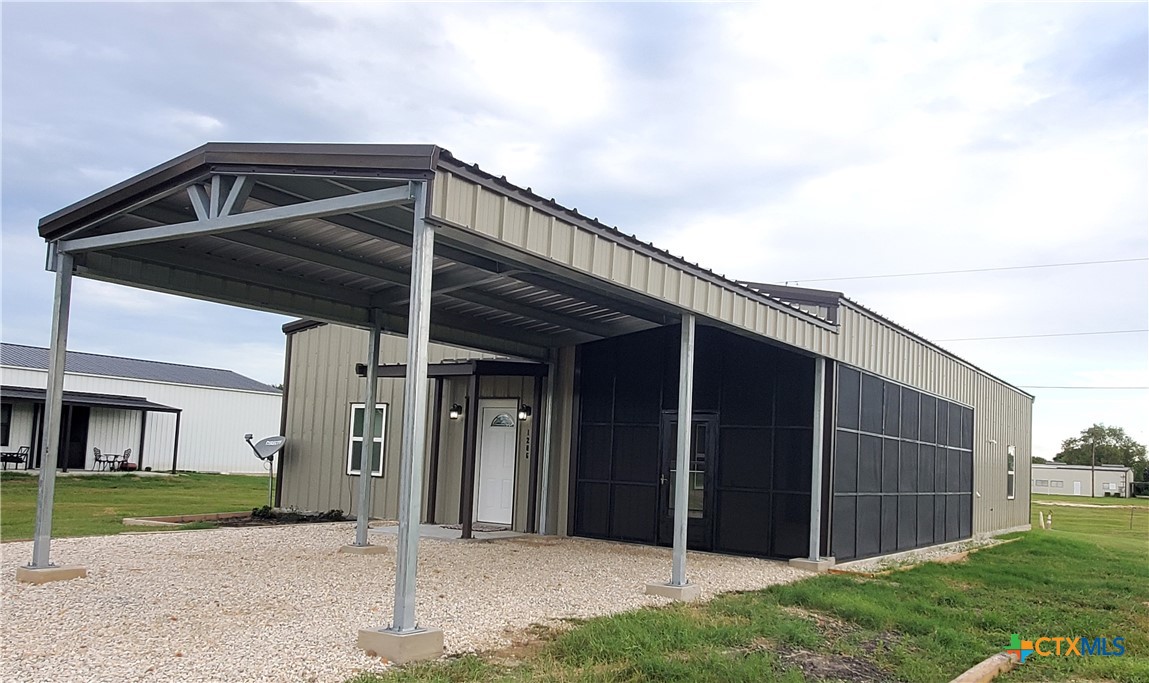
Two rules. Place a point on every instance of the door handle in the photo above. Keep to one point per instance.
(662, 480)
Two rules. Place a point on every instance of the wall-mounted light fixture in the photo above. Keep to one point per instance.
(456, 412)
(524, 412)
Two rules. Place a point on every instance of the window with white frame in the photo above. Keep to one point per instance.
(1056, 484)
(355, 441)
(1009, 472)
(1041, 482)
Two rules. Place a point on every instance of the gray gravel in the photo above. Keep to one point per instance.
(279, 604)
(912, 557)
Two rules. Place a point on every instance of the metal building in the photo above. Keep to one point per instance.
(169, 416)
(815, 426)
(1082, 480)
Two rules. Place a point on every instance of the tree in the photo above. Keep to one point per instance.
(1112, 447)
(1037, 460)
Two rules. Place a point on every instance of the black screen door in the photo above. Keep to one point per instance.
(703, 458)
(74, 437)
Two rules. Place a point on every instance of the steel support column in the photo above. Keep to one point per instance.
(682, 460)
(143, 435)
(533, 454)
(367, 452)
(53, 410)
(414, 415)
(816, 459)
(545, 451)
(470, 444)
(433, 466)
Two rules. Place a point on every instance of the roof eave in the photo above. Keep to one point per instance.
(416, 160)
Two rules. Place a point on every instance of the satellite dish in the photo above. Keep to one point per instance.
(265, 449)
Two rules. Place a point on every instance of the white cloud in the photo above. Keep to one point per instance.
(767, 141)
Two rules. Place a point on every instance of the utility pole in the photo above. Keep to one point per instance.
(1093, 472)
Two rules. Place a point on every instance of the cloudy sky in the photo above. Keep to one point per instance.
(778, 142)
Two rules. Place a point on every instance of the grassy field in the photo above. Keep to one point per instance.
(96, 505)
(1043, 498)
(1087, 577)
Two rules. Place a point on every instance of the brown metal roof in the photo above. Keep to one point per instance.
(337, 268)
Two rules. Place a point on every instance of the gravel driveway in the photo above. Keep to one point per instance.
(279, 604)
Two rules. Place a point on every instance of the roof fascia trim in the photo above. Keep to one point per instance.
(452, 165)
(859, 308)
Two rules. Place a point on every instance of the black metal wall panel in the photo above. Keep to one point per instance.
(790, 526)
(634, 454)
(843, 531)
(592, 509)
(907, 522)
(869, 526)
(743, 524)
(633, 512)
(760, 476)
(903, 468)
(747, 458)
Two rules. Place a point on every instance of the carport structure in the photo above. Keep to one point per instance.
(401, 239)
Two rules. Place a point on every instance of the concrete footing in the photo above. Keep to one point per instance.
(363, 549)
(63, 572)
(687, 593)
(987, 669)
(820, 565)
(401, 648)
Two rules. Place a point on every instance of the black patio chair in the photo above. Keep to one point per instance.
(118, 461)
(22, 454)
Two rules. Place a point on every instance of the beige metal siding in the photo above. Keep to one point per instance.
(322, 388)
(1001, 414)
(467, 204)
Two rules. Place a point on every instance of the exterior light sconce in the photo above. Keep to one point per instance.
(524, 412)
(456, 412)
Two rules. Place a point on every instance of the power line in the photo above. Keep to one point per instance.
(1034, 336)
(970, 270)
(1031, 386)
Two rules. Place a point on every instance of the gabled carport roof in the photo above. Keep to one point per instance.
(324, 231)
(398, 238)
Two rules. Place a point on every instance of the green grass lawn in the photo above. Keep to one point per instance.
(1087, 577)
(1044, 498)
(96, 505)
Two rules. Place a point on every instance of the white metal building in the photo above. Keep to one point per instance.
(170, 416)
(1076, 480)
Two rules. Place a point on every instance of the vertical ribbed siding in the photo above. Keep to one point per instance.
(1001, 414)
(20, 430)
(112, 431)
(470, 205)
(211, 429)
(323, 388)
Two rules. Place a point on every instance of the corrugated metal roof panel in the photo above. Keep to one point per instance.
(36, 358)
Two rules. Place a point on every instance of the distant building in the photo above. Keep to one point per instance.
(169, 415)
(1075, 480)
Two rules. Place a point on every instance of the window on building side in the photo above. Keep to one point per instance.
(1041, 482)
(355, 443)
(1056, 484)
(1009, 472)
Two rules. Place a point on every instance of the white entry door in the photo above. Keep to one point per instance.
(1077, 488)
(495, 471)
